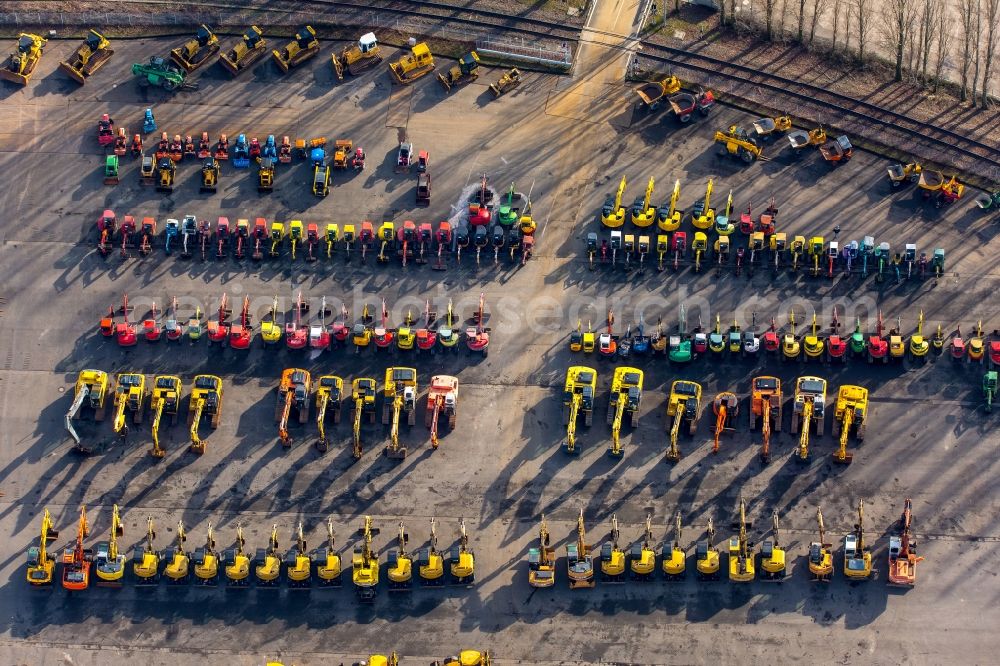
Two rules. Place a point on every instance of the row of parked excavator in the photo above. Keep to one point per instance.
(298, 332)
(298, 568)
(463, 658)
(611, 563)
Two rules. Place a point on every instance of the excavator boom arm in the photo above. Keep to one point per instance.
(283, 424)
(74, 409)
(616, 425)
(807, 411)
(359, 404)
(675, 430)
(156, 423)
(322, 399)
(765, 427)
(574, 411)
(438, 403)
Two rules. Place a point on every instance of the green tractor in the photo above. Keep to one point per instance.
(989, 388)
(161, 73)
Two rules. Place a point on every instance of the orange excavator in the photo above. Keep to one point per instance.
(726, 407)
(442, 399)
(293, 389)
(77, 560)
(765, 408)
(903, 552)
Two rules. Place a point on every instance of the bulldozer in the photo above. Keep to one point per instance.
(399, 395)
(851, 412)
(146, 559)
(195, 52)
(415, 64)
(206, 560)
(612, 556)
(684, 405)
(542, 560)
(857, 556)
(245, 52)
(236, 563)
(674, 559)
(89, 57)
(508, 81)
(707, 555)
(772, 555)
(160, 73)
(267, 563)
(821, 554)
(41, 567)
(130, 395)
(442, 400)
(365, 565)
(579, 562)
(810, 401)
(765, 408)
(90, 390)
(298, 563)
(578, 395)
(903, 552)
(329, 392)
(642, 557)
(363, 392)
(206, 400)
(326, 560)
(626, 396)
(293, 390)
(166, 399)
(466, 71)
(358, 57)
(22, 61)
(302, 46)
(726, 407)
(741, 555)
(738, 143)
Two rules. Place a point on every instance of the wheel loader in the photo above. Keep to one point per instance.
(21, 63)
(245, 52)
(302, 46)
(89, 57)
(195, 52)
(358, 57)
(413, 65)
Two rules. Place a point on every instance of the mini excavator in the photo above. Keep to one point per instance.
(365, 565)
(579, 562)
(851, 412)
(399, 569)
(206, 560)
(612, 556)
(146, 559)
(726, 407)
(166, 399)
(178, 560)
(810, 403)
(442, 401)
(326, 561)
(293, 390)
(707, 555)
(41, 567)
(626, 396)
(765, 408)
(430, 562)
(298, 563)
(542, 559)
(857, 556)
(206, 400)
(674, 558)
(821, 554)
(741, 555)
(772, 555)
(109, 563)
(642, 557)
(578, 395)
(462, 560)
(236, 563)
(684, 405)
(399, 395)
(329, 393)
(267, 563)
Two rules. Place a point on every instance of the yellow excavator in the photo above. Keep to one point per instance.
(206, 400)
(684, 405)
(326, 560)
(166, 399)
(857, 556)
(772, 555)
(293, 390)
(813, 345)
(206, 560)
(810, 402)
(177, 559)
(237, 564)
(741, 555)
(643, 210)
(89, 57)
(612, 556)
(382, 660)
(765, 407)
(109, 563)
(363, 395)
(467, 658)
(130, 394)
(145, 559)
(668, 218)
(851, 412)
(542, 560)
(399, 395)
(267, 563)
(642, 558)
(674, 559)
(365, 565)
(90, 390)
(329, 391)
(578, 395)
(702, 214)
(41, 567)
(399, 569)
(463, 560)
(270, 329)
(613, 212)
(707, 555)
(821, 554)
(579, 563)
(298, 563)
(430, 563)
(626, 396)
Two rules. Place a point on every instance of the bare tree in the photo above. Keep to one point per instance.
(968, 19)
(836, 22)
(897, 29)
(782, 14)
(992, 19)
(864, 11)
(769, 7)
(926, 35)
(943, 42)
(977, 61)
(802, 20)
(819, 9)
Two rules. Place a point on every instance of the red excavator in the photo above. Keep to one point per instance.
(173, 328)
(151, 326)
(259, 236)
(218, 331)
(878, 346)
(903, 553)
(407, 236)
(107, 225)
(443, 237)
(242, 234)
(319, 334)
(77, 560)
(241, 334)
(128, 231)
(312, 241)
(222, 234)
(342, 328)
(477, 338)
(125, 331)
(296, 335)
(442, 400)
(427, 336)
(148, 234)
(385, 337)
